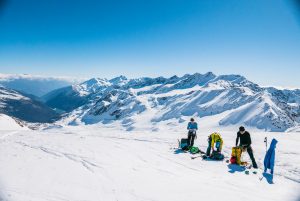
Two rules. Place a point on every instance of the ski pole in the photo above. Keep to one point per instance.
(266, 141)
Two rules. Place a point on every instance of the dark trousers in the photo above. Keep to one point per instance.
(250, 152)
(191, 139)
(208, 150)
(209, 147)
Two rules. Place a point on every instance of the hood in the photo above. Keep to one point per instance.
(273, 143)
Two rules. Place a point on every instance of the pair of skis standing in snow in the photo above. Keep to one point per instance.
(216, 141)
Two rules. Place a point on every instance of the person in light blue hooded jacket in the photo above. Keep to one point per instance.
(269, 160)
(192, 128)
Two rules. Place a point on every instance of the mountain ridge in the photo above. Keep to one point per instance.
(196, 95)
(25, 107)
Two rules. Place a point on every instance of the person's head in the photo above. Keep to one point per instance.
(242, 129)
(192, 119)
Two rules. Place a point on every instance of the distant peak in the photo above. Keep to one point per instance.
(174, 77)
(209, 74)
(198, 76)
(118, 79)
(231, 77)
(93, 80)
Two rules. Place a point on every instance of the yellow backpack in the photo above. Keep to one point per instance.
(236, 155)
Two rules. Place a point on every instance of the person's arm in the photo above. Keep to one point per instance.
(237, 139)
(196, 126)
(188, 126)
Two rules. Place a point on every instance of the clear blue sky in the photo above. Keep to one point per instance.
(259, 39)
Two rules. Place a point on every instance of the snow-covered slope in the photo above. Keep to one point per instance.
(93, 163)
(8, 123)
(161, 99)
(35, 85)
(24, 107)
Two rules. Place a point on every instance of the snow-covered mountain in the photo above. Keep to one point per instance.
(71, 97)
(232, 98)
(35, 85)
(25, 107)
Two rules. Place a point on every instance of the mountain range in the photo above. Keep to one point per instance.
(231, 99)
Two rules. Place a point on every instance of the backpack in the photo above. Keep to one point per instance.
(236, 154)
(217, 156)
(194, 150)
(183, 144)
(218, 144)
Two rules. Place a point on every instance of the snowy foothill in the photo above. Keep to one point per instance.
(107, 162)
(8, 123)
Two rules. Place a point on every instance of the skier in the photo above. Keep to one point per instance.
(245, 143)
(192, 128)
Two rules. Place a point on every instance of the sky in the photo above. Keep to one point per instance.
(259, 39)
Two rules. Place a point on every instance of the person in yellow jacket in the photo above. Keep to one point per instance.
(214, 141)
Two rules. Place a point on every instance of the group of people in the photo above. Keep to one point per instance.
(215, 142)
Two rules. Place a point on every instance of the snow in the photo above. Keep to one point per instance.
(121, 143)
(10, 94)
(146, 88)
(105, 162)
(7, 123)
(295, 129)
(293, 104)
(91, 86)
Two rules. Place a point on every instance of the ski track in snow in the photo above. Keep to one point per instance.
(6, 135)
(110, 164)
(77, 159)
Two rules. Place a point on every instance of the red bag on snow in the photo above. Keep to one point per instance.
(233, 160)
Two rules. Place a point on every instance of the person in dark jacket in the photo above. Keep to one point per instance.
(192, 127)
(245, 142)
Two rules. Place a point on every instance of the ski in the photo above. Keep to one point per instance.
(199, 156)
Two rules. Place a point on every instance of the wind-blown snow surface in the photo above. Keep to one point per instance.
(105, 162)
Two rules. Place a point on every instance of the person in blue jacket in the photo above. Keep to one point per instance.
(269, 160)
(192, 128)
